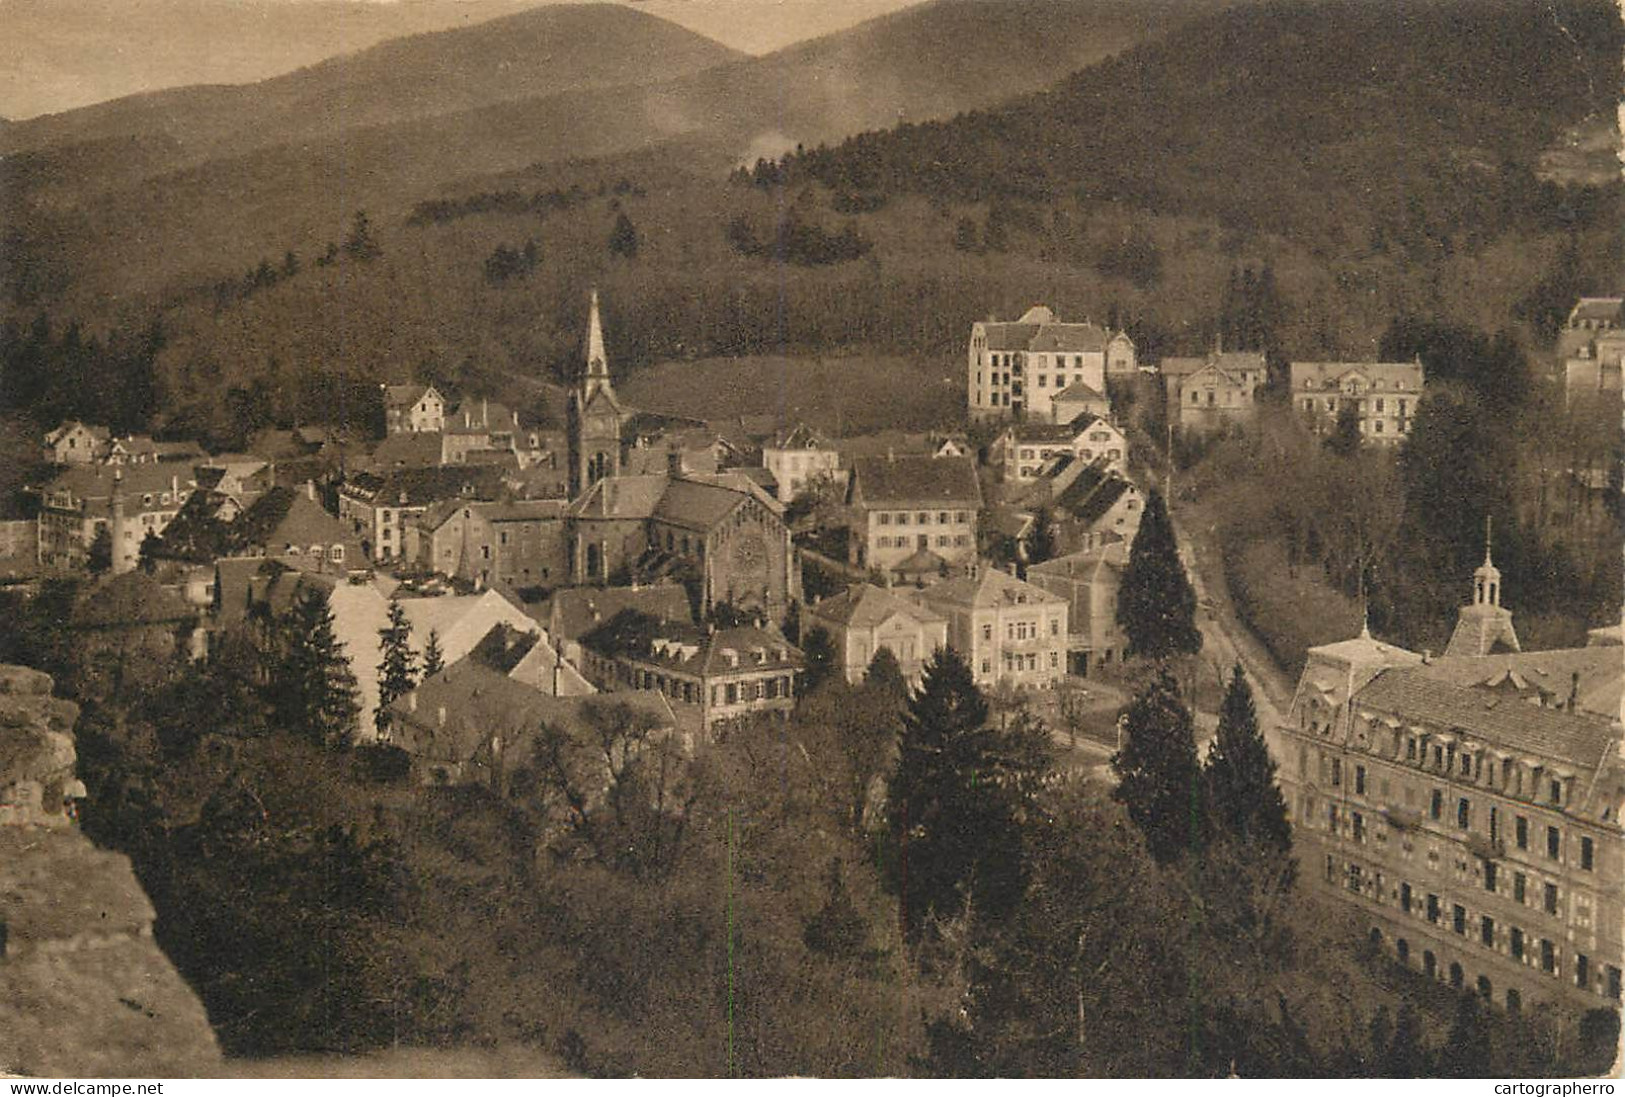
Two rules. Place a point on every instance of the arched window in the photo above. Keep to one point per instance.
(1455, 976)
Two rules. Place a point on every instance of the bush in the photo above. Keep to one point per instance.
(383, 762)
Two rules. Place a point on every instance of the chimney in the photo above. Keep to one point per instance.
(1427, 656)
(310, 490)
(558, 671)
(1574, 691)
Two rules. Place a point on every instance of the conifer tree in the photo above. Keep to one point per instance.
(312, 687)
(1041, 546)
(151, 546)
(885, 677)
(1156, 605)
(819, 652)
(958, 799)
(100, 559)
(1244, 799)
(397, 672)
(434, 661)
(1160, 781)
(623, 238)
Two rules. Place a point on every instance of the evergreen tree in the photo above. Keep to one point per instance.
(1160, 782)
(1244, 799)
(959, 798)
(1344, 441)
(1156, 605)
(1466, 1054)
(819, 652)
(312, 687)
(623, 238)
(434, 661)
(100, 559)
(885, 676)
(397, 672)
(360, 244)
(1041, 545)
(1406, 1057)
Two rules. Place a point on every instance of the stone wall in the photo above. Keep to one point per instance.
(84, 990)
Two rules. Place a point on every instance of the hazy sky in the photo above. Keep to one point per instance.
(761, 26)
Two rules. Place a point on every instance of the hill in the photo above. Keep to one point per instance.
(61, 54)
(224, 175)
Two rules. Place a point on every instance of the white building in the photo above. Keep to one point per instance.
(1018, 368)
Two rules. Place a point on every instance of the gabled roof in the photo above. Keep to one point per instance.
(1078, 392)
(481, 417)
(1550, 674)
(1039, 331)
(573, 611)
(1597, 310)
(916, 480)
(864, 605)
(246, 581)
(922, 561)
(1226, 362)
(400, 397)
(1323, 374)
(694, 505)
(683, 647)
(419, 487)
(95, 482)
(409, 449)
(1033, 431)
(285, 516)
(802, 437)
(990, 588)
(101, 434)
(1499, 721)
(1084, 567)
(632, 498)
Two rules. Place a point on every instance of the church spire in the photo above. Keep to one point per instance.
(597, 361)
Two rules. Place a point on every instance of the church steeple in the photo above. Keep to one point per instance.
(597, 375)
(596, 416)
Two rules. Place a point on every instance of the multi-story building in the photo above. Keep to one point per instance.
(864, 618)
(901, 506)
(1381, 395)
(1076, 401)
(1089, 582)
(413, 409)
(1010, 632)
(1590, 350)
(1468, 808)
(1090, 503)
(128, 502)
(713, 677)
(1018, 368)
(75, 443)
(380, 507)
(518, 543)
(1025, 448)
(1209, 392)
(800, 457)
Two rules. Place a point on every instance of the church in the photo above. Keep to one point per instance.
(719, 533)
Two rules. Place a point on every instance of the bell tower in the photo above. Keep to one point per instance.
(596, 416)
(1484, 627)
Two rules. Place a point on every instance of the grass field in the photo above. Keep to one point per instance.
(840, 395)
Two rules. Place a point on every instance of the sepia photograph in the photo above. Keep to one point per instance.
(816, 539)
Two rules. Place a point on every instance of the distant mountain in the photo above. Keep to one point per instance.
(224, 175)
(60, 54)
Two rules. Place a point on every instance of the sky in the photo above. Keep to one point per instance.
(762, 26)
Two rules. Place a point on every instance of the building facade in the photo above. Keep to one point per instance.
(1381, 395)
(1025, 448)
(865, 618)
(799, 458)
(521, 543)
(1469, 814)
(901, 506)
(129, 503)
(413, 409)
(1089, 582)
(1010, 632)
(1017, 368)
(1213, 391)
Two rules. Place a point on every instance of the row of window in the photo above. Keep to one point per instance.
(922, 518)
(943, 541)
(1016, 662)
(1399, 383)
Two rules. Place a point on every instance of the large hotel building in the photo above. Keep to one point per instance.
(1468, 805)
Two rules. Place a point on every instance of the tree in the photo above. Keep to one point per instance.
(965, 234)
(1344, 440)
(958, 799)
(360, 244)
(100, 559)
(1041, 545)
(1243, 798)
(1160, 782)
(151, 546)
(623, 238)
(819, 652)
(313, 689)
(396, 673)
(1466, 1054)
(1156, 605)
(885, 676)
(434, 661)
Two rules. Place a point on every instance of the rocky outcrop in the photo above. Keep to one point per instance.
(84, 990)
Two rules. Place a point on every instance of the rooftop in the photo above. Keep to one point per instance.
(864, 605)
(916, 479)
(991, 588)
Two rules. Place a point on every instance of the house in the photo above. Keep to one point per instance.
(1383, 396)
(664, 444)
(572, 612)
(406, 450)
(715, 677)
(722, 535)
(530, 659)
(241, 475)
(1467, 809)
(1091, 503)
(1088, 581)
(485, 425)
(413, 409)
(1016, 369)
(1590, 350)
(1025, 448)
(865, 618)
(140, 449)
(290, 522)
(799, 458)
(1078, 400)
(1008, 631)
(129, 502)
(903, 505)
(520, 543)
(471, 725)
(378, 507)
(75, 443)
(1210, 392)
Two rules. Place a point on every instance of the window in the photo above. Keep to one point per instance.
(1550, 903)
(1548, 957)
(987, 666)
(1433, 908)
(1613, 982)
(1486, 930)
(1359, 827)
(1463, 813)
(885, 518)
(1337, 772)
(1489, 875)
(1582, 971)
(1437, 807)
(1359, 780)
(1520, 883)
(337, 553)
(1459, 919)
(942, 519)
(1405, 898)
(1557, 792)
(1554, 842)
(1515, 943)
(1586, 854)
(1522, 829)
(732, 694)
(923, 519)
(1055, 630)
